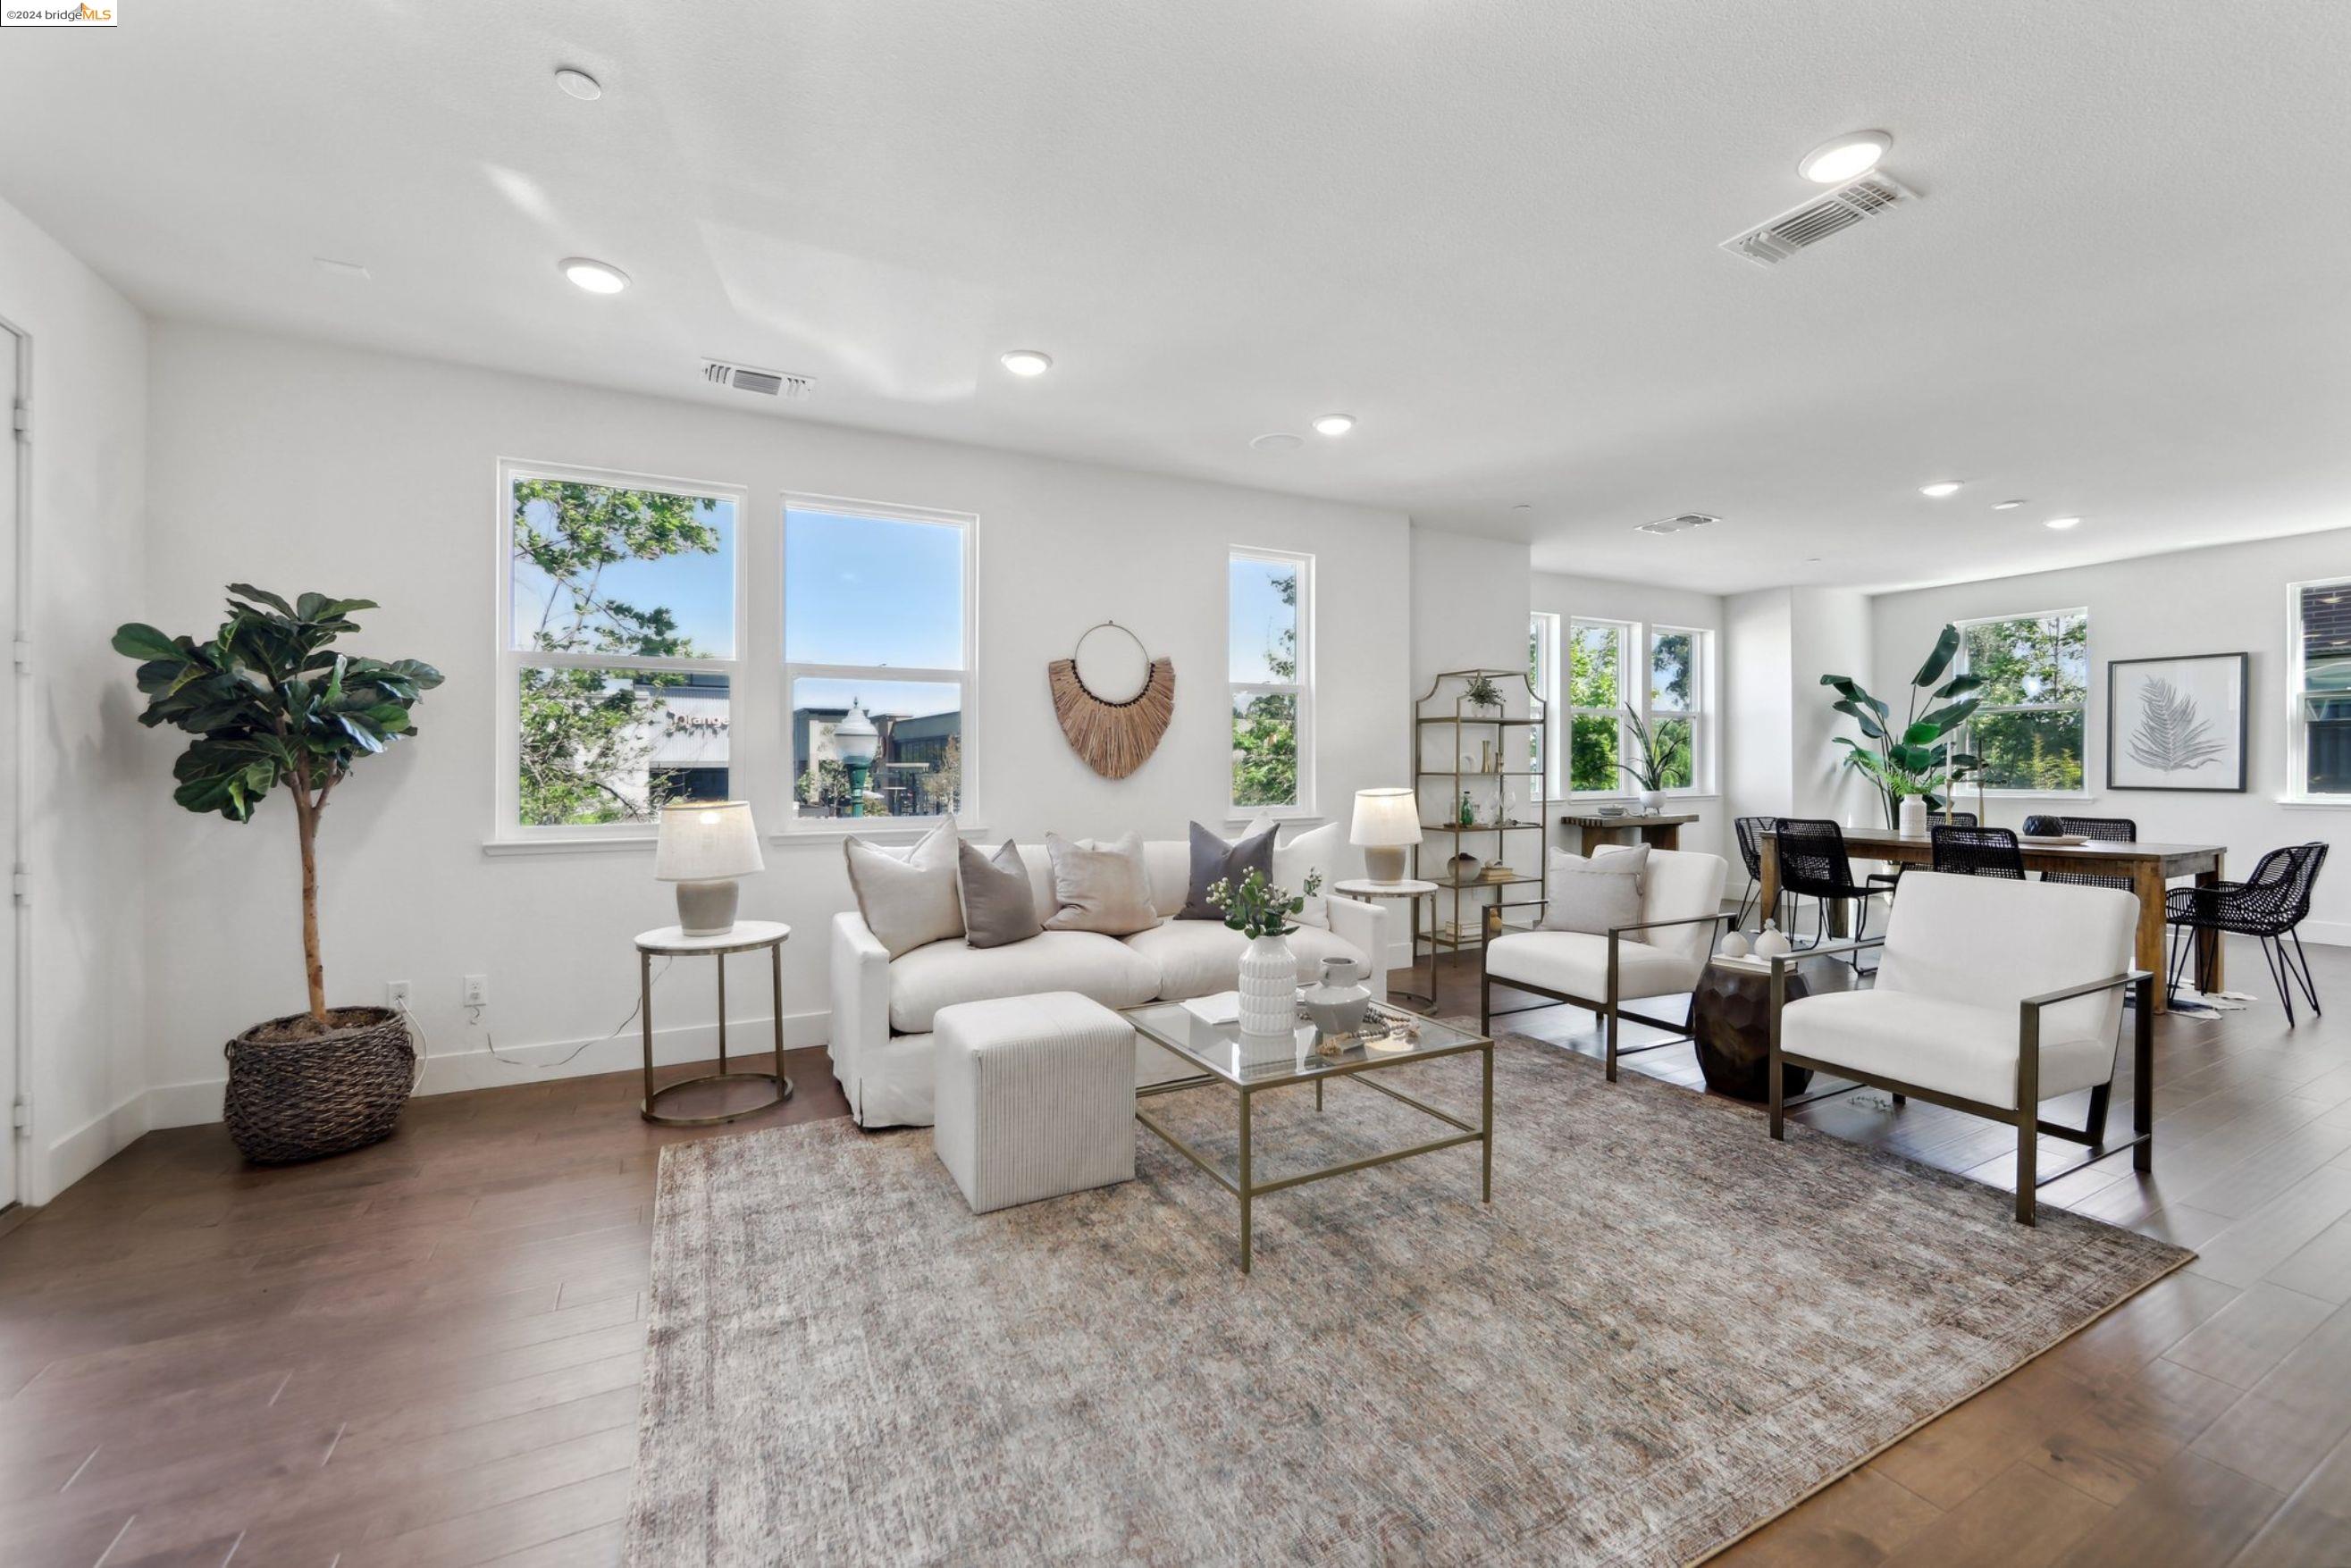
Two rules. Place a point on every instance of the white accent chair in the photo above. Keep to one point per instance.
(1991, 997)
(1661, 954)
(1035, 1098)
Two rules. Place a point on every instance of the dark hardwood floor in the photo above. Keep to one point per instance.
(428, 1352)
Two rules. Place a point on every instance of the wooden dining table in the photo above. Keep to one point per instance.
(2148, 866)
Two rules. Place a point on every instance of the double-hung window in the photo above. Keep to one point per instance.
(2318, 653)
(1542, 674)
(1597, 664)
(1269, 657)
(877, 658)
(618, 607)
(1677, 703)
(2028, 727)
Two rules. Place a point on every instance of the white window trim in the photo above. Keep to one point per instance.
(965, 680)
(1544, 624)
(1303, 688)
(509, 829)
(2298, 792)
(2089, 678)
(1634, 637)
(1628, 632)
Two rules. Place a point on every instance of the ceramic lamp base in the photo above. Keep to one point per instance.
(1384, 862)
(707, 908)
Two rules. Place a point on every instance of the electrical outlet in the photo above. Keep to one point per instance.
(477, 991)
(395, 995)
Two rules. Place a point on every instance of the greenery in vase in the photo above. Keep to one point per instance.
(1483, 693)
(1920, 755)
(270, 702)
(1258, 908)
(1663, 754)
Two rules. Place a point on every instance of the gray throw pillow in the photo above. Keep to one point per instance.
(1214, 860)
(1596, 895)
(1100, 887)
(907, 896)
(998, 908)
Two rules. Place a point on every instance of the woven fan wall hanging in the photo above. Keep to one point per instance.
(1112, 739)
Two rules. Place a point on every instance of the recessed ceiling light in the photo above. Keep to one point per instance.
(1844, 158)
(1334, 423)
(2007, 506)
(595, 277)
(2061, 522)
(1028, 361)
(580, 84)
(1940, 489)
(1277, 441)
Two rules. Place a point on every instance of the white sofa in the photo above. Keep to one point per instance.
(883, 1009)
(1992, 996)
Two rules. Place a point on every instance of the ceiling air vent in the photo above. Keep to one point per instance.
(1676, 525)
(767, 383)
(1798, 227)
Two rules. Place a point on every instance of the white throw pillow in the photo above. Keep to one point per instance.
(1318, 848)
(1595, 895)
(1100, 887)
(907, 895)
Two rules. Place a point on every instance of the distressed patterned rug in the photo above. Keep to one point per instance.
(1665, 1330)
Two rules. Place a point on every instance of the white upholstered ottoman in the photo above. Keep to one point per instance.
(1036, 1097)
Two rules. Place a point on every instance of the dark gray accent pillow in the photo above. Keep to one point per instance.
(998, 907)
(1215, 860)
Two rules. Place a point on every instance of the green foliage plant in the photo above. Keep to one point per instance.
(1919, 756)
(1256, 907)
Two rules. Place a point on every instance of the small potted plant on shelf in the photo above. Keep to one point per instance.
(269, 701)
(1659, 758)
(1268, 970)
(1483, 694)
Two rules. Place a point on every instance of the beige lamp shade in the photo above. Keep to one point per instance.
(1385, 818)
(707, 840)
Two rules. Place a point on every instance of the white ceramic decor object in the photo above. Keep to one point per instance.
(1269, 987)
(1772, 943)
(1913, 819)
(1733, 945)
(1338, 1004)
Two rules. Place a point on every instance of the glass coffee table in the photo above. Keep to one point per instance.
(1251, 1067)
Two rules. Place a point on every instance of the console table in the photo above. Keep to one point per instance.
(1662, 831)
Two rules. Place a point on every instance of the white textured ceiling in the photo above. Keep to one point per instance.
(1488, 230)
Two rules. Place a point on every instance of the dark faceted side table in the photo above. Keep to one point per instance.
(1730, 1022)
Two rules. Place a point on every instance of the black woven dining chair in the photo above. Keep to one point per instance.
(1977, 852)
(2107, 830)
(1887, 879)
(1750, 832)
(2270, 906)
(1814, 865)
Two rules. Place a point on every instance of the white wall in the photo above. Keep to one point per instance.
(1829, 633)
(306, 467)
(2225, 600)
(1759, 633)
(1603, 599)
(88, 794)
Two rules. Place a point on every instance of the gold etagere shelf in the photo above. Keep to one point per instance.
(1446, 706)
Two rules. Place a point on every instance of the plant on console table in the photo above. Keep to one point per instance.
(270, 702)
(1918, 760)
(1659, 758)
(1269, 971)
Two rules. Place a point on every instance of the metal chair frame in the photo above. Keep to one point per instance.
(2269, 906)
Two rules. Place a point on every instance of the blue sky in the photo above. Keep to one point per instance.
(1258, 616)
(697, 588)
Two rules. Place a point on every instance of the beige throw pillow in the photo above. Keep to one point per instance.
(1100, 887)
(1596, 895)
(907, 896)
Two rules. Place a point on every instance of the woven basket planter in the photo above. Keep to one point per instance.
(305, 1099)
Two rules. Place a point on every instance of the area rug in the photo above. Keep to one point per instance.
(1665, 1330)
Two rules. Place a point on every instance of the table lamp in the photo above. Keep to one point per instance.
(1385, 822)
(704, 846)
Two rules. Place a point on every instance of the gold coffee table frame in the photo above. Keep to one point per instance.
(1360, 1062)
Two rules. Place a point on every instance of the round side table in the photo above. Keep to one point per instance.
(1410, 891)
(671, 942)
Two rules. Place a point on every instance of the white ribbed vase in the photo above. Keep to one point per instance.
(1269, 987)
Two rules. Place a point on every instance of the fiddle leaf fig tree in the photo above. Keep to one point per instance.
(270, 702)
(1917, 756)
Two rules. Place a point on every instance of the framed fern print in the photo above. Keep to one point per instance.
(2177, 724)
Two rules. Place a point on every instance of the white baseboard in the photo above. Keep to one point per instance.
(472, 1065)
(2332, 933)
(73, 1155)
